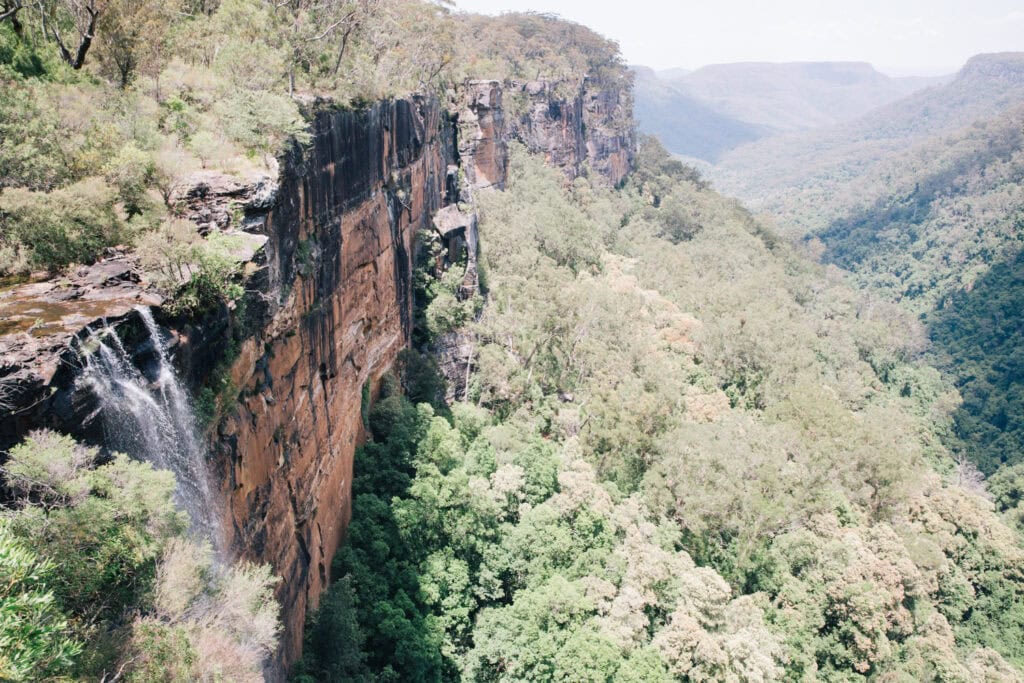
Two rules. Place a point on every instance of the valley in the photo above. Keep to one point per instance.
(381, 341)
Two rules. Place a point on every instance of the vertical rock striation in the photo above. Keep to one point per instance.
(337, 311)
(579, 130)
(482, 132)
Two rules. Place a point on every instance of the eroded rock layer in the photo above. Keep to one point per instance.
(577, 129)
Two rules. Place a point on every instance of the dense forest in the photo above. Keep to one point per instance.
(937, 229)
(104, 108)
(943, 239)
(920, 201)
(977, 337)
(687, 450)
(676, 461)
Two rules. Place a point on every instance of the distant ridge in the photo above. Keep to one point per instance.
(684, 124)
(728, 105)
(809, 162)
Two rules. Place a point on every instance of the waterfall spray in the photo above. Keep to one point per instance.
(153, 421)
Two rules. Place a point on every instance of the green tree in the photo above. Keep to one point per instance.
(35, 639)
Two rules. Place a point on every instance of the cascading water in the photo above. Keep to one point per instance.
(152, 420)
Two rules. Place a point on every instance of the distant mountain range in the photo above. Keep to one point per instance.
(728, 105)
(795, 176)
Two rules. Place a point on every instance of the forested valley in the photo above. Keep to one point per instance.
(691, 440)
(687, 453)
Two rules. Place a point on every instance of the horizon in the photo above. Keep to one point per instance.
(898, 38)
(890, 71)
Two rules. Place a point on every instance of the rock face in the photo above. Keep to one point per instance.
(588, 127)
(482, 134)
(337, 287)
(609, 136)
(213, 200)
(327, 311)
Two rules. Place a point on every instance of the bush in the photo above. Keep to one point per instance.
(261, 121)
(131, 171)
(105, 525)
(69, 225)
(198, 273)
(96, 532)
(209, 624)
(34, 640)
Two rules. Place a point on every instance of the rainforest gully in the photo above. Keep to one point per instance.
(375, 340)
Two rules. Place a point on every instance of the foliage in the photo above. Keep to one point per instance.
(534, 46)
(96, 529)
(441, 304)
(199, 273)
(376, 571)
(69, 225)
(683, 457)
(977, 338)
(34, 638)
(937, 229)
(209, 623)
(97, 578)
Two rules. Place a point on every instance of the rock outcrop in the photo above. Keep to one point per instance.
(39, 323)
(328, 305)
(337, 310)
(577, 129)
(482, 132)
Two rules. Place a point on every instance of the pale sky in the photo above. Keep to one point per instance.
(901, 37)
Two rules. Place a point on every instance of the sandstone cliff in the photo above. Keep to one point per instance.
(328, 305)
(589, 128)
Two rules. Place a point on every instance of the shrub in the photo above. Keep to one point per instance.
(261, 121)
(34, 640)
(211, 623)
(69, 225)
(199, 273)
(131, 171)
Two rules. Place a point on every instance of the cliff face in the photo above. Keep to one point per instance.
(590, 128)
(482, 132)
(328, 308)
(338, 286)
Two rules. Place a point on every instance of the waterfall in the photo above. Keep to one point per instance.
(152, 420)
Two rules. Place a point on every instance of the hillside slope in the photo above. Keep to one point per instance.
(940, 231)
(685, 124)
(791, 175)
(685, 453)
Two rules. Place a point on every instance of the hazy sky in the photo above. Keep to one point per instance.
(901, 36)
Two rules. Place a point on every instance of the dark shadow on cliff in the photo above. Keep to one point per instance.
(372, 624)
(978, 339)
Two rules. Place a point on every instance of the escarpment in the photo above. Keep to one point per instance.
(581, 129)
(337, 311)
(587, 127)
(330, 249)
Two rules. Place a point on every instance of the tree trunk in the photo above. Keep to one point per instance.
(78, 60)
(9, 10)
